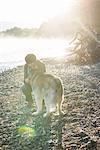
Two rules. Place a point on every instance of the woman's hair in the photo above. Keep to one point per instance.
(30, 58)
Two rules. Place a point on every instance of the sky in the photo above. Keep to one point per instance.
(31, 13)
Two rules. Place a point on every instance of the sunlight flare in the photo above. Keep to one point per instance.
(34, 12)
(26, 131)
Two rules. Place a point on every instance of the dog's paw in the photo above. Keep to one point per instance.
(61, 113)
(46, 115)
(35, 113)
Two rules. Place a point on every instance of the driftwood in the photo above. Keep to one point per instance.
(86, 46)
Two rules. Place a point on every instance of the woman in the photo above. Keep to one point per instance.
(38, 66)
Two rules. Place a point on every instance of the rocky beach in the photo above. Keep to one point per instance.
(77, 129)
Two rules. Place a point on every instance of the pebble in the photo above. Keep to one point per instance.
(81, 107)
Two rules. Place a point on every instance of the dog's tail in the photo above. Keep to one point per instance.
(59, 86)
(60, 95)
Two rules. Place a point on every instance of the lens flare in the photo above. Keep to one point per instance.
(26, 131)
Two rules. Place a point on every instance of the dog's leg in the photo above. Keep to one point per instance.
(38, 101)
(50, 103)
(59, 109)
(59, 105)
(47, 111)
(47, 105)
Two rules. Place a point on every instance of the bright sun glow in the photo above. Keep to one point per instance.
(32, 12)
(16, 49)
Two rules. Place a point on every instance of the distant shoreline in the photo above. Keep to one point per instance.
(4, 66)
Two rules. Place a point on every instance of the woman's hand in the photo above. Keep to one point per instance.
(27, 81)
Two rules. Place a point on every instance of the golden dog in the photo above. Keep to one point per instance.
(47, 88)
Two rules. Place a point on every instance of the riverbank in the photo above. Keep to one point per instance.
(77, 129)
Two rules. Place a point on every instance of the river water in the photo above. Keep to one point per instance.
(14, 50)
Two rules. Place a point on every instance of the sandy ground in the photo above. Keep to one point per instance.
(77, 129)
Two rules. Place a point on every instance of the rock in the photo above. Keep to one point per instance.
(91, 145)
(81, 134)
(81, 106)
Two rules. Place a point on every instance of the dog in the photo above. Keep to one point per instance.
(48, 89)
